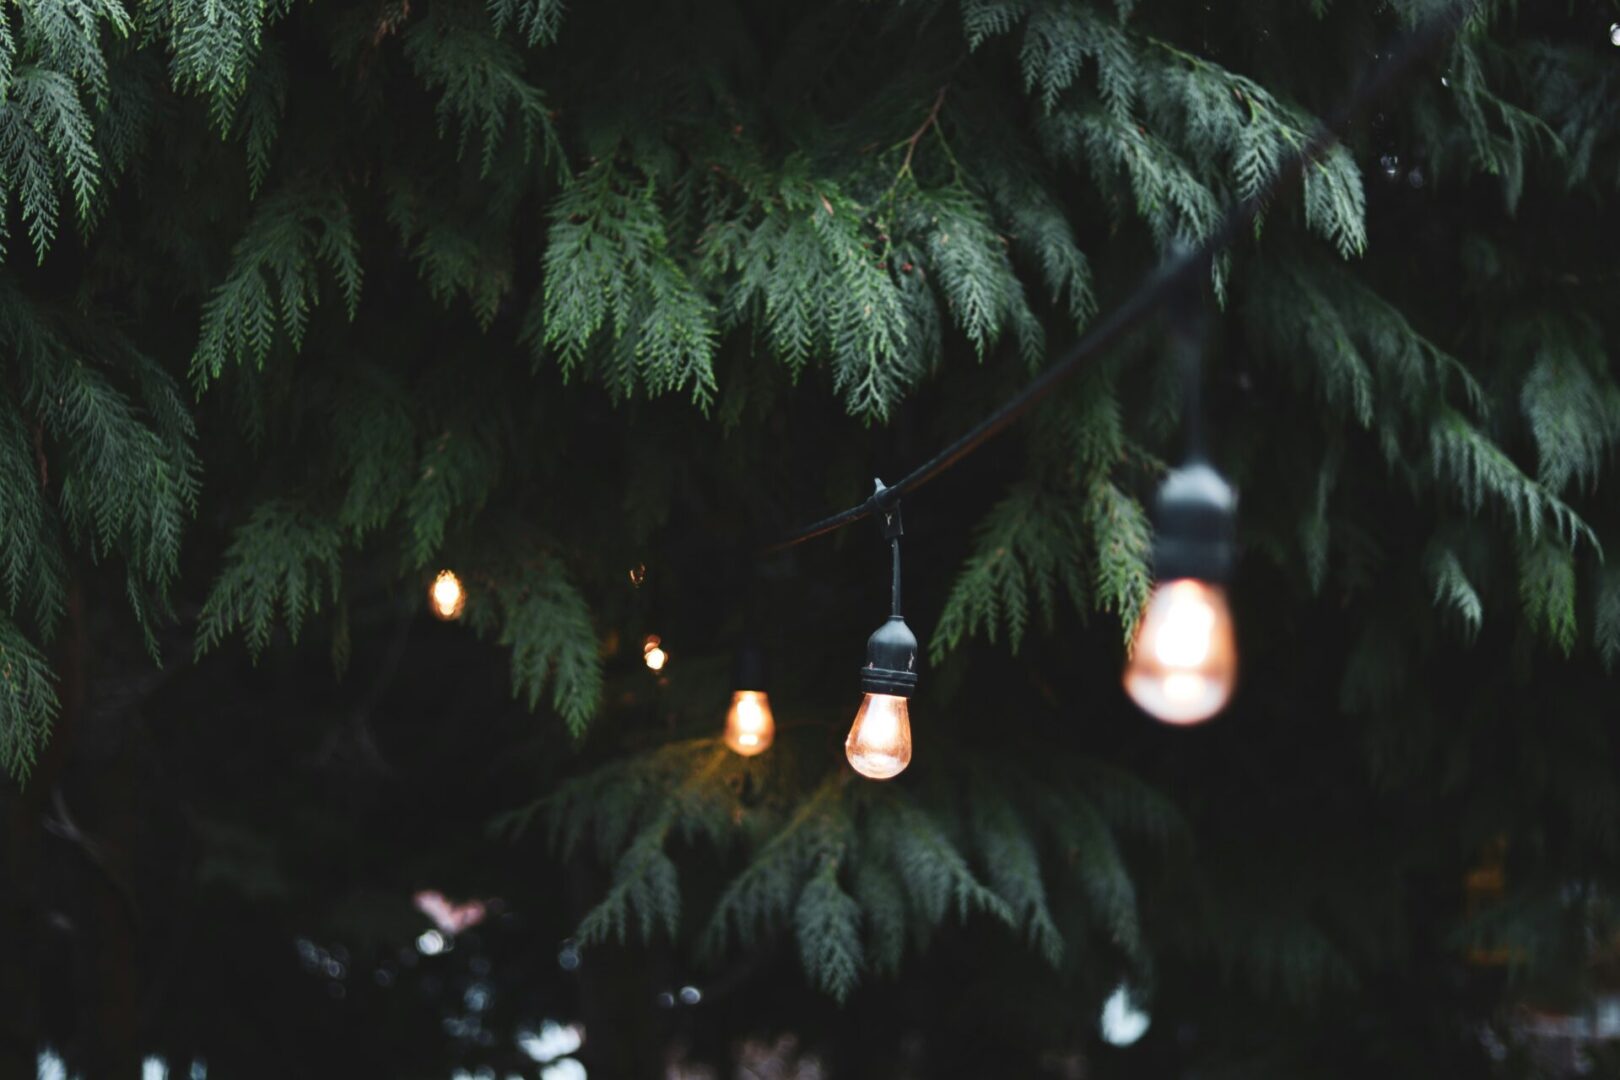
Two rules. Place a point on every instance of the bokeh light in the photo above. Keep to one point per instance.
(1122, 1023)
(446, 596)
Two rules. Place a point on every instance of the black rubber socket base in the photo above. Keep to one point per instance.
(891, 660)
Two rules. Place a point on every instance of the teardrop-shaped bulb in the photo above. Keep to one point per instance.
(1184, 663)
(879, 743)
(750, 728)
(446, 596)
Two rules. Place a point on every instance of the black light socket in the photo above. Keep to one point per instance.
(748, 668)
(1194, 531)
(891, 660)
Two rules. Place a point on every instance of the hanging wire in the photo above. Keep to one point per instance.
(894, 587)
(1181, 273)
(1188, 320)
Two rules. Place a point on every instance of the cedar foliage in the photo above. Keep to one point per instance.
(405, 239)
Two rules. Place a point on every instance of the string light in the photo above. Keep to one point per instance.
(1183, 666)
(879, 743)
(446, 597)
(750, 726)
(1183, 663)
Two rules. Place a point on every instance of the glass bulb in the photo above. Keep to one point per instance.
(879, 743)
(447, 596)
(749, 724)
(1184, 663)
(1123, 1022)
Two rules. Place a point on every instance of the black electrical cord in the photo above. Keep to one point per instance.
(1181, 272)
(894, 588)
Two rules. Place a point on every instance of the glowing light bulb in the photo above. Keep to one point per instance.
(879, 743)
(1122, 1021)
(750, 727)
(653, 654)
(1184, 663)
(446, 596)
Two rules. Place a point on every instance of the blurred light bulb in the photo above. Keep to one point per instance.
(447, 596)
(1122, 1022)
(750, 728)
(1184, 663)
(1614, 34)
(879, 743)
(656, 658)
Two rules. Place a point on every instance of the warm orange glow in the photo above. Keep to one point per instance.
(879, 743)
(1184, 663)
(750, 728)
(446, 596)
(1483, 888)
(655, 658)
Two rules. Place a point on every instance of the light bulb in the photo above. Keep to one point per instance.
(447, 596)
(749, 724)
(879, 743)
(1184, 663)
(1122, 1021)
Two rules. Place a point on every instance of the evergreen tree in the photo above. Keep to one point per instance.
(303, 302)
